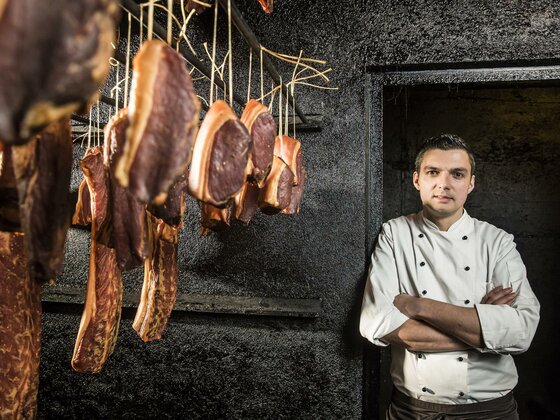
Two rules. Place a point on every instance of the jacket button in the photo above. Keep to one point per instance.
(461, 393)
(424, 292)
(465, 238)
(421, 235)
(460, 359)
(424, 389)
(467, 268)
(467, 302)
(422, 264)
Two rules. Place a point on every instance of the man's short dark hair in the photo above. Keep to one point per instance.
(444, 142)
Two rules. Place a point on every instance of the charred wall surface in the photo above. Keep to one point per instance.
(237, 366)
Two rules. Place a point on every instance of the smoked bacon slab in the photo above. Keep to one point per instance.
(128, 214)
(277, 192)
(55, 56)
(42, 168)
(159, 290)
(20, 331)
(99, 325)
(262, 128)
(219, 163)
(246, 202)
(163, 121)
(289, 149)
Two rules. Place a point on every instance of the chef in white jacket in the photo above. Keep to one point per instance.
(450, 295)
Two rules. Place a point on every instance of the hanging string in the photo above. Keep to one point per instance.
(213, 52)
(98, 137)
(141, 26)
(250, 71)
(127, 64)
(150, 20)
(89, 129)
(291, 85)
(169, 21)
(230, 69)
(262, 73)
(280, 111)
(116, 88)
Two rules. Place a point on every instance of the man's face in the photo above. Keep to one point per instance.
(444, 182)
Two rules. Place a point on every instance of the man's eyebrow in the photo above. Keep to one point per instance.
(459, 170)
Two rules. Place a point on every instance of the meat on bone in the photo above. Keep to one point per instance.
(55, 56)
(260, 123)
(219, 164)
(163, 121)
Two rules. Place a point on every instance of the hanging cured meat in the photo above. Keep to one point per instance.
(163, 117)
(9, 206)
(20, 331)
(82, 212)
(297, 194)
(42, 168)
(277, 191)
(128, 214)
(289, 149)
(218, 168)
(159, 290)
(213, 218)
(55, 56)
(262, 128)
(172, 211)
(246, 202)
(99, 326)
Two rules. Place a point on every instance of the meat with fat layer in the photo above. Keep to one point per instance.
(42, 168)
(82, 211)
(163, 121)
(20, 331)
(260, 123)
(55, 56)
(128, 214)
(246, 202)
(99, 325)
(172, 211)
(213, 218)
(277, 192)
(159, 290)
(219, 165)
(289, 149)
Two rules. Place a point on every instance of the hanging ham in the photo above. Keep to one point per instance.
(20, 331)
(55, 56)
(128, 214)
(42, 169)
(218, 168)
(163, 121)
(159, 290)
(99, 325)
(262, 128)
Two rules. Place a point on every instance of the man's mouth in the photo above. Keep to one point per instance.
(442, 197)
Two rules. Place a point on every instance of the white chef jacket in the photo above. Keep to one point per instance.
(458, 266)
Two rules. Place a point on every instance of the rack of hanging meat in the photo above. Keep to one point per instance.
(154, 153)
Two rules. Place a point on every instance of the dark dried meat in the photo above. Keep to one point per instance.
(277, 192)
(163, 116)
(246, 202)
(219, 164)
(9, 204)
(20, 331)
(42, 169)
(82, 212)
(55, 56)
(213, 218)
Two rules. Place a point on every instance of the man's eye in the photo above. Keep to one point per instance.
(459, 174)
(432, 172)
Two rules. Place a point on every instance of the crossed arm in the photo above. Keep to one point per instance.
(437, 326)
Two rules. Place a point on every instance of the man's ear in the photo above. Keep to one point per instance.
(415, 180)
(471, 186)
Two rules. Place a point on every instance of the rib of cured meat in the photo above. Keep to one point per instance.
(99, 325)
(246, 202)
(262, 128)
(42, 168)
(277, 191)
(289, 149)
(159, 290)
(163, 115)
(82, 212)
(9, 205)
(55, 56)
(219, 163)
(213, 218)
(172, 211)
(128, 214)
(20, 331)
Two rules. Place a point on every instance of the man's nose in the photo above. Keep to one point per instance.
(443, 180)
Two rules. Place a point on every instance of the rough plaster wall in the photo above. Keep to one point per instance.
(319, 254)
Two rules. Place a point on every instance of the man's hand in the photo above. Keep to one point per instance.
(499, 295)
(408, 305)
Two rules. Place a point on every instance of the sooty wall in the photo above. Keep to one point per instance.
(219, 366)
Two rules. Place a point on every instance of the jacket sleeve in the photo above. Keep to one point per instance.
(509, 329)
(379, 316)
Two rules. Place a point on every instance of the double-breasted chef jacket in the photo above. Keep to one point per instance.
(458, 266)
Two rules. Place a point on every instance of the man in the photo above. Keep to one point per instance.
(450, 294)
